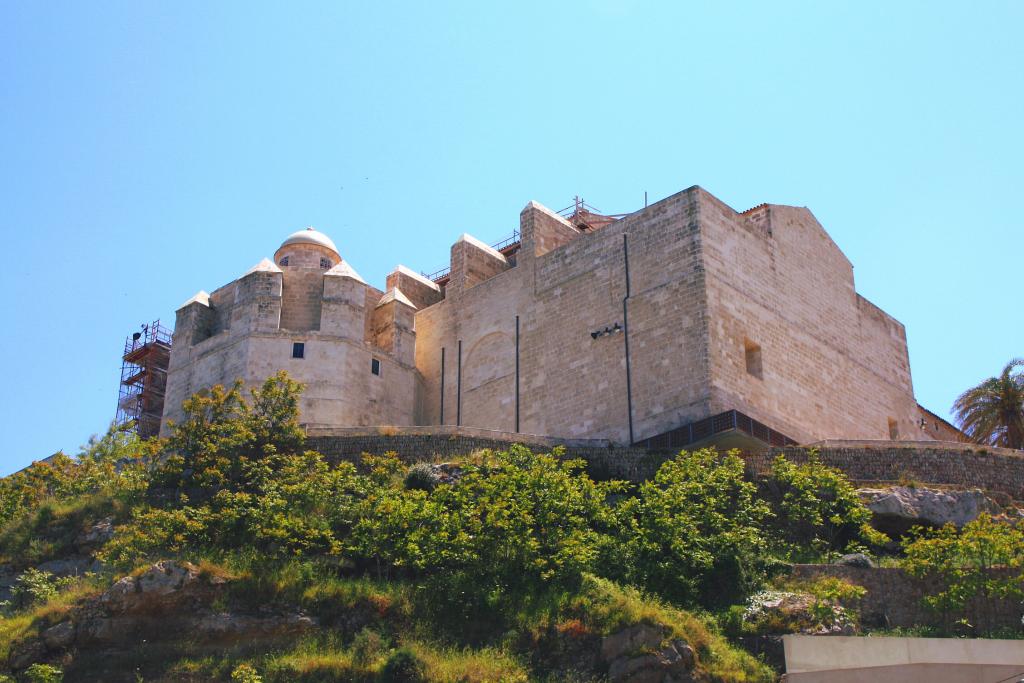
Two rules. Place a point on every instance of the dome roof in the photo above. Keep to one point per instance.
(310, 236)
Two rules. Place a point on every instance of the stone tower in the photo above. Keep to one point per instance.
(310, 313)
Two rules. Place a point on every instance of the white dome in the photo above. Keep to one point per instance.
(310, 236)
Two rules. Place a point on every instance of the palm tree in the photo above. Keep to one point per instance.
(993, 412)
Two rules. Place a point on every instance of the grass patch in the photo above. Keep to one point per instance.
(31, 622)
(604, 607)
(49, 531)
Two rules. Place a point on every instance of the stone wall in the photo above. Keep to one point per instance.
(708, 289)
(962, 465)
(442, 443)
(564, 286)
(956, 465)
(247, 330)
(830, 364)
(301, 297)
(894, 599)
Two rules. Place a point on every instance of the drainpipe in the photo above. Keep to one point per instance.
(458, 390)
(625, 337)
(517, 374)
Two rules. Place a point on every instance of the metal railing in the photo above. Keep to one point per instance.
(716, 424)
(504, 244)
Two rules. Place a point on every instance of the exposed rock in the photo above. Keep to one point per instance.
(26, 654)
(8, 577)
(789, 612)
(446, 472)
(686, 654)
(897, 508)
(631, 640)
(636, 655)
(95, 536)
(101, 629)
(61, 635)
(856, 560)
(74, 565)
(228, 624)
(163, 584)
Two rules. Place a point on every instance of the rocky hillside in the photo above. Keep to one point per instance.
(228, 552)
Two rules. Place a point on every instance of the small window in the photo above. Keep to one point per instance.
(325, 263)
(752, 356)
(894, 430)
(283, 261)
(299, 350)
(375, 366)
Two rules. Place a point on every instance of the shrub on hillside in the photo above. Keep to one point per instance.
(982, 562)
(34, 587)
(816, 510)
(404, 666)
(509, 526)
(421, 476)
(113, 466)
(694, 533)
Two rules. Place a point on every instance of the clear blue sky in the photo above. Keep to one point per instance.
(149, 150)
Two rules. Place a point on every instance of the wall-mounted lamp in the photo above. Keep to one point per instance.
(606, 331)
(923, 423)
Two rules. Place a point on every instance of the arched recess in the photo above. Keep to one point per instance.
(488, 383)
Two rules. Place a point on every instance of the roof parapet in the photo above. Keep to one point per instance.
(264, 266)
(200, 297)
(343, 269)
(395, 294)
(469, 239)
(423, 280)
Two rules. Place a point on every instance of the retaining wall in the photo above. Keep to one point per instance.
(928, 462)
(894, 599)
(437, 444)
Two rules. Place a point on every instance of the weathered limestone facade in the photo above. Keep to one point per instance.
(248, 330)
(622, 331)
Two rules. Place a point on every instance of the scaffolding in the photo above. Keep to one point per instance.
(140, 400)
(585, 217)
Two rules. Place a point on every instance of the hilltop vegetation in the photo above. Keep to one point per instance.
(285, 567)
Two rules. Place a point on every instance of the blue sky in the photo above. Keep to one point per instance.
(150, 150)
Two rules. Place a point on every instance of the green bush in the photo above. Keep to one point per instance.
(816, 510)
(404, 666)
(694, 533)
(245, 673)
(34, 587)
(43, 673)
(421, 476)
(517, 521)
(367, 646)
(45, 506)
(983, 562)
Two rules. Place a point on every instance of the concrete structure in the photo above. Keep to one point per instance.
(585, 327)
(849, 659)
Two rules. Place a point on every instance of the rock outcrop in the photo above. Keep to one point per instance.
(797, 612)
(644, 654)
(95, 536)
(167, 600)
(897, 508)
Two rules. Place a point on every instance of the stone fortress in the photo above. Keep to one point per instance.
(682, 323)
